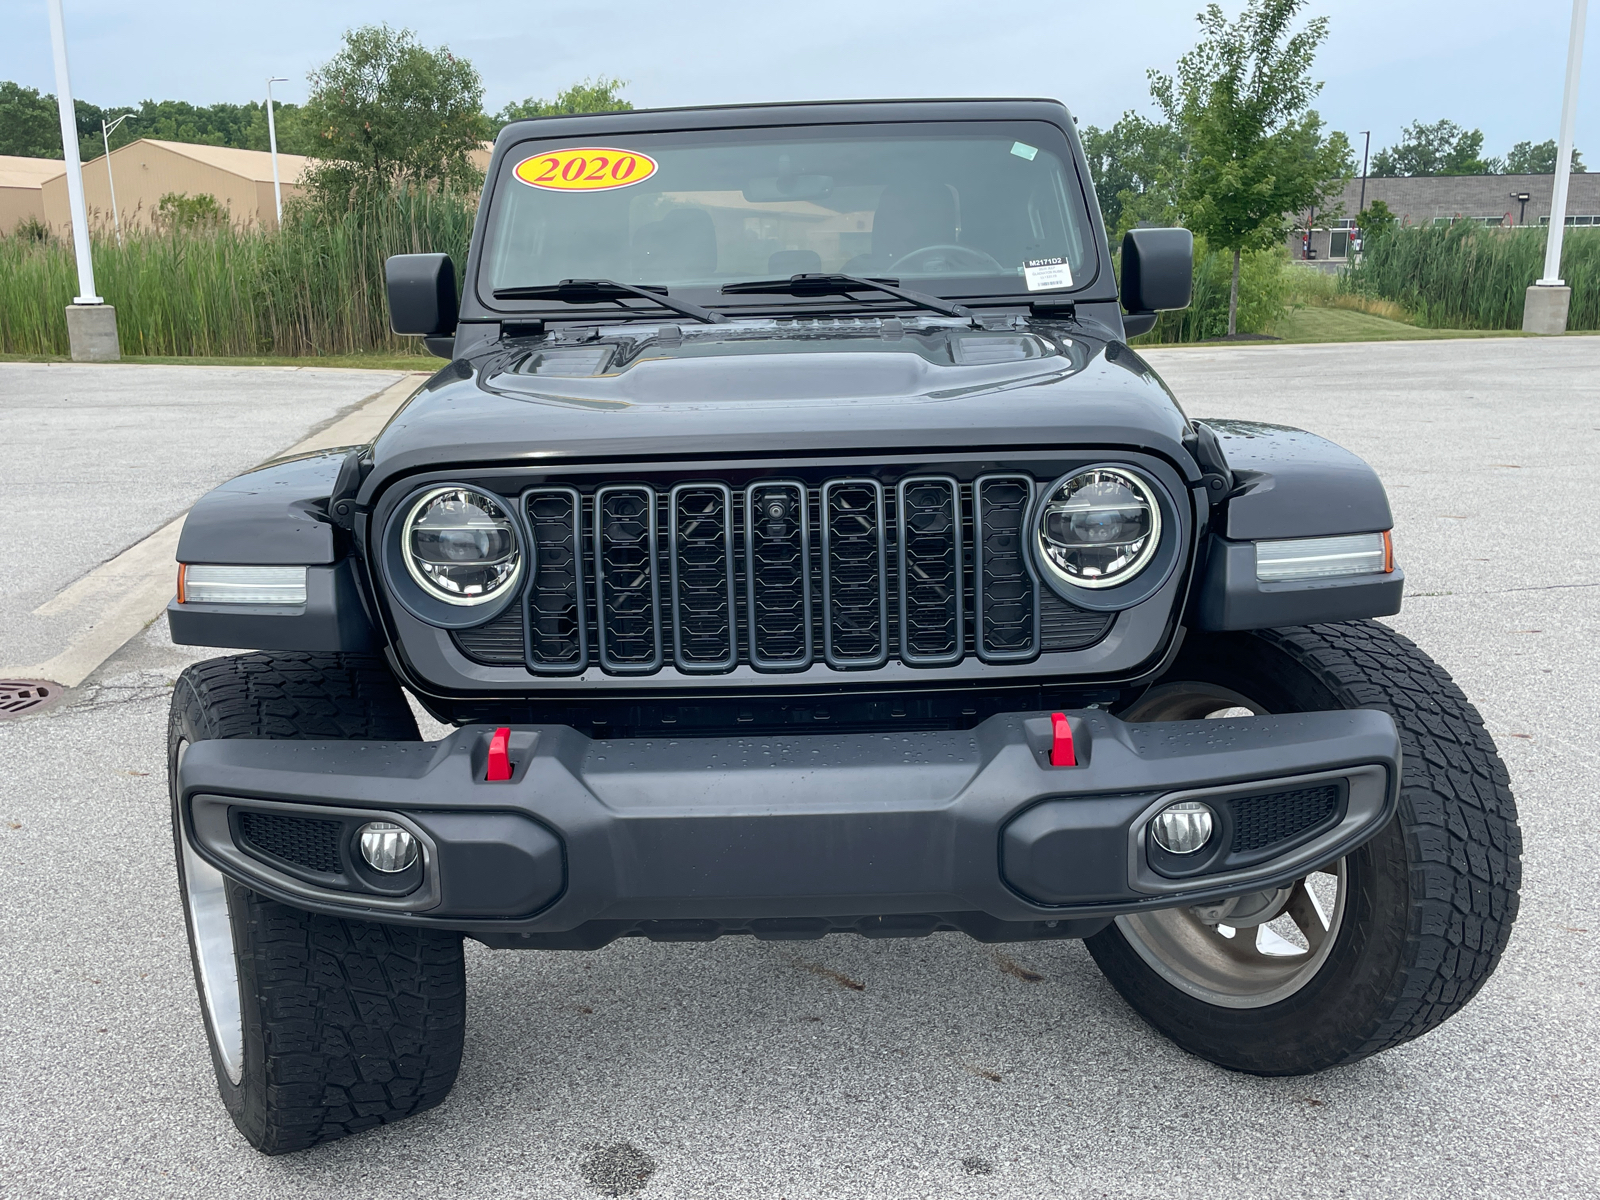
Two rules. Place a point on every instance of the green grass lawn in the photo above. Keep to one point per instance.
(1317, 324)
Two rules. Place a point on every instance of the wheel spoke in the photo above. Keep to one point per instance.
(1306, 912)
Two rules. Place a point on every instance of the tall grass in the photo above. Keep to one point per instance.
(1466, 276)
(314, 287)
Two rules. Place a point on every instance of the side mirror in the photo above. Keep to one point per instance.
(1157, 274)
(422, 298)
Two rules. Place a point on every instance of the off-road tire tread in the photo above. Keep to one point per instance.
(299, 695)
(361, 1023)
(1457, 812)
(358, 1024)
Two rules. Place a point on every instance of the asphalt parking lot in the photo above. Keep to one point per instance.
(925, 1068)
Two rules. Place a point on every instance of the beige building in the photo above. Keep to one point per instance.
(21, 188)
(146, 170)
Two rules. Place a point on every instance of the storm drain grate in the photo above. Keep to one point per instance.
(21, 696)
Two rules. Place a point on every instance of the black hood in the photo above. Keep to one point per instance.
(849, 386)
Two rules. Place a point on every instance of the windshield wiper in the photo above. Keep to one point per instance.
(594, 291)
(838, 285)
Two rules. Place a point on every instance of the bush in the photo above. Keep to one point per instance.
(1467, 276)
(315, 287)
(1264, 288)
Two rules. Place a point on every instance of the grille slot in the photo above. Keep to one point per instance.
(309, 843)
(1260, 821)
(778, 574)
(855, 598)
(1007, 593)
(932, 624)
(558, 638)
(627, 589)
(704, 591)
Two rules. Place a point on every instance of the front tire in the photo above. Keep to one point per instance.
(318, 1026)
(1375, 949)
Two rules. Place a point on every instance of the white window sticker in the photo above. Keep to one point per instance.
(1023, 150)
(1045, 274)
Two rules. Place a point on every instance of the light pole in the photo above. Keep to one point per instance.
(91, 322)
(1522, 199)
(1545, 307)
(272, 142)
(105, 135)
(1361, 204)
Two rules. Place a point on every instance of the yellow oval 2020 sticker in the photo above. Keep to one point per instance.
(586, 169)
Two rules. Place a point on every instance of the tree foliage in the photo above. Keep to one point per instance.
(587, 96)
(1255, 150)
(1442, 148)
(387, 110)
(1136, 165)
(1538, 158)
(1376, 220)
(30, 126)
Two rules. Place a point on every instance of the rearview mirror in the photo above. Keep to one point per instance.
(788, 187)
(422, 297)
(1157, 274)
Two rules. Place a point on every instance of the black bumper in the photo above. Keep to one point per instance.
(886, 834)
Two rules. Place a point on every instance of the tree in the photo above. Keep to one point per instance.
(1375, 220)
(29, 124)
(387, 110)
(1442, 148)
(1530, 158)
(1135, 165)
(1255, 149)
(588, 96)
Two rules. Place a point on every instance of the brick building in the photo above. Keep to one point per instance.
(1421, 200)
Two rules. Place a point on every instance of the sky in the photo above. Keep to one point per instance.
(1493, 66)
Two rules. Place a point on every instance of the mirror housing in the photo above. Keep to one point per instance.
(422, 296)
(1157, 275)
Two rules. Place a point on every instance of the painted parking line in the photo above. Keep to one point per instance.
(120, 597)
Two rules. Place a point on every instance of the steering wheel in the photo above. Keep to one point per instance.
(946, 260)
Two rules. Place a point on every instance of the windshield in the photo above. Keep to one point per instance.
(968, 209)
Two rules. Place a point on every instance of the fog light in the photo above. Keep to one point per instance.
(1182, 828)
(391, 849)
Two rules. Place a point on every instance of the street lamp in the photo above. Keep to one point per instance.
(1547, 301)
(105, 136)
(1522, 199)
(272, 142)
(91, 322)
(1361, 204)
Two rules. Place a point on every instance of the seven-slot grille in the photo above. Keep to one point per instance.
(781, 574)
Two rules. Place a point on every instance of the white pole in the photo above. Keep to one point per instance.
(1569, 121)
(272, 141)
(69, 146)
(105, 136)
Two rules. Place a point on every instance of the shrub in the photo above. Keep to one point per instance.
(1264, 284)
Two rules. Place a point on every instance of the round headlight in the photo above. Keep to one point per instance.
(1099, 528)
(459, 544)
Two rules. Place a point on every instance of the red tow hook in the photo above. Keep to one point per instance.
(500, 756)
(1061, 753)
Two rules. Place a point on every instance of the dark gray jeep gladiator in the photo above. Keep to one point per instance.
(797, 547)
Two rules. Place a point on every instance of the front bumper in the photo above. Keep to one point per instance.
(887, 834)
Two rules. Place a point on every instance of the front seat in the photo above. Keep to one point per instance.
(909, 216)
(679, 248)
